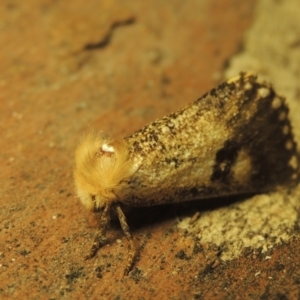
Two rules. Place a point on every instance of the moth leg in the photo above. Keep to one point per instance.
(126, 231)
(100, 238)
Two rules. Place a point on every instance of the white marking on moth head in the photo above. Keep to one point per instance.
(285, 130)
(276, 103)
(264, 92)
(107, 148)
(294, 162)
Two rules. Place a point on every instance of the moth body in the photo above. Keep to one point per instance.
(236, 139)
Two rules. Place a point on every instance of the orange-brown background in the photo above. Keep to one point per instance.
(69, 66)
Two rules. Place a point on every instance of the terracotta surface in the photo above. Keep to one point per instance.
(113, 67)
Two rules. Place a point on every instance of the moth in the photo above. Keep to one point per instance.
(236, 139)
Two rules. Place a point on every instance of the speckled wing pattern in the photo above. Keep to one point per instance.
(235, 139)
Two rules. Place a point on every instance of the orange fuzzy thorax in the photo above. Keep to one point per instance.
(101, 168)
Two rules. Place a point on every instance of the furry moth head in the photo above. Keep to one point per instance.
(100, 168)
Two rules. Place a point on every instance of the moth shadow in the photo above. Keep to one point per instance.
(146, 216)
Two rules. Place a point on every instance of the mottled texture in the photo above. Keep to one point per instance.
(235, 139)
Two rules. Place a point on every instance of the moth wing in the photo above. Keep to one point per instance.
(235, 139)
